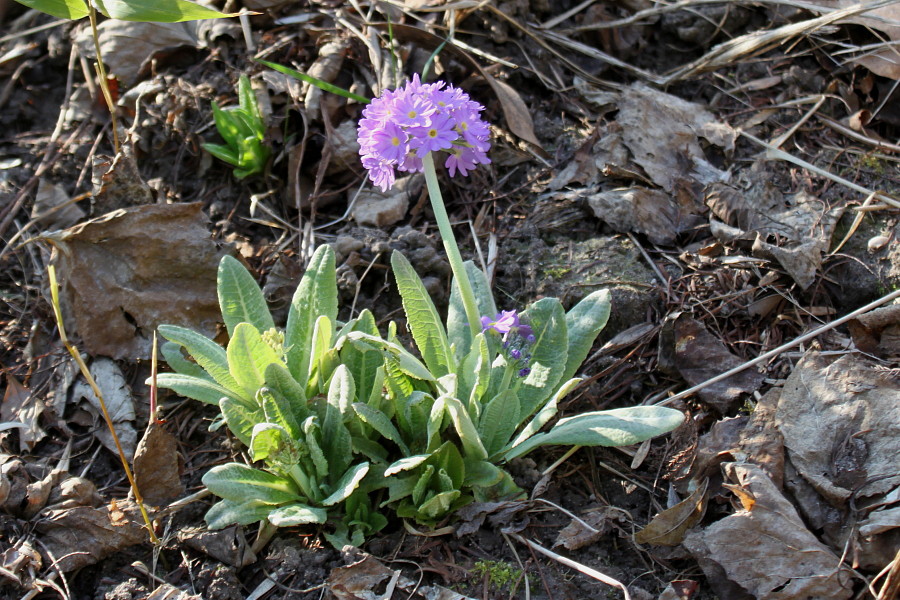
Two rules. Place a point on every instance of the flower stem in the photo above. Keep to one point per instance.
(450, 247)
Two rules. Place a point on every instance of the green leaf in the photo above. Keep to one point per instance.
(225, 513)
(196, 388)
(250, 106)
(548, 353)
(230, 127)
(617, 427)
(438, 505)
(451, 464)
(369, 448)
(499, 421)
(406, 464)
(468, 433)
(379, 421)
(342, 392)
(336, 441)
(315, 296)
(457, 322)
(268, 441)
(278, 411)
(63, 9)
(208, 354)
(482, 473)
(545, 414)
(240, 298)
(319, 83)
(422, 318)
(312, 434)
(297, 514)
(249, 357)
(475, 375)
(346, 485)
(583, 324)
(240, 418)
(240, 483)
(171, 353)
(406, 362)
(224, 153)
(157, 11)
(283, 385)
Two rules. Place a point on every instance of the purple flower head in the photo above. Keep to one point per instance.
(503, 323)
(401, 126)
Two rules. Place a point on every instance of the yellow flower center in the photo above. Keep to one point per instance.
(432, 133)
(395, 141)
(412, 114)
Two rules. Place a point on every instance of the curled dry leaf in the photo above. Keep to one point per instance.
(853, 437)
(119, 405)
(362, 580)
(777, 557)
(53, 209)
(81, 536)
(127, 272)
(20, 406)
(689, 349)
(669, 527)
(499, 514)
(643, 210)
(592, 526)
(226, 545)
(158, 466)
(663, 133)
(878, 332)
(759, 211)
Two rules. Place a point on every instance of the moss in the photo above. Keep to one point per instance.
(500, 574)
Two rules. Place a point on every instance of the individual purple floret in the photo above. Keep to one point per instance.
(517, 338)
(503, 323)
(401, 126)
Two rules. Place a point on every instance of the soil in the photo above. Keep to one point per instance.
(533, 203)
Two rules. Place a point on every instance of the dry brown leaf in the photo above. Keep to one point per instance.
(363, 579)
(119, 404)
(225, 545)
(758, 211)
(839, 422)
(878, 332)
(500, 514)
(687, 347)
(663, 133)
(643, 210)
(669, 527)
(760, 441)
(158, 466)
(128, 47)
(117, 183)
(592, 526)
(81, 536)
(20, 406)
(127, 272)
(768, 551)
(53, 209)
(170, 592)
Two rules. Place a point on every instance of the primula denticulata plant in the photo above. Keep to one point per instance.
(342, 421)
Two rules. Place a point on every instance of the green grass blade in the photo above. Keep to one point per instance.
(322, 85)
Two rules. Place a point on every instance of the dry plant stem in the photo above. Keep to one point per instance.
(775, 352)
(575, 565)
(57, 313)
(773, 152)
(104, 82)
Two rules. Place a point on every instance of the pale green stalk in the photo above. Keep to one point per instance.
(450, 247)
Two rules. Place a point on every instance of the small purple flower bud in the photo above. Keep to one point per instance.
(516, 354)
(530, 338)
(524, 372)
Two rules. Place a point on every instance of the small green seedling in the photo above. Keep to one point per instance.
(243, 129)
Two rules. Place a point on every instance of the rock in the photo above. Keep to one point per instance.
(376, 209)
(569, 270)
